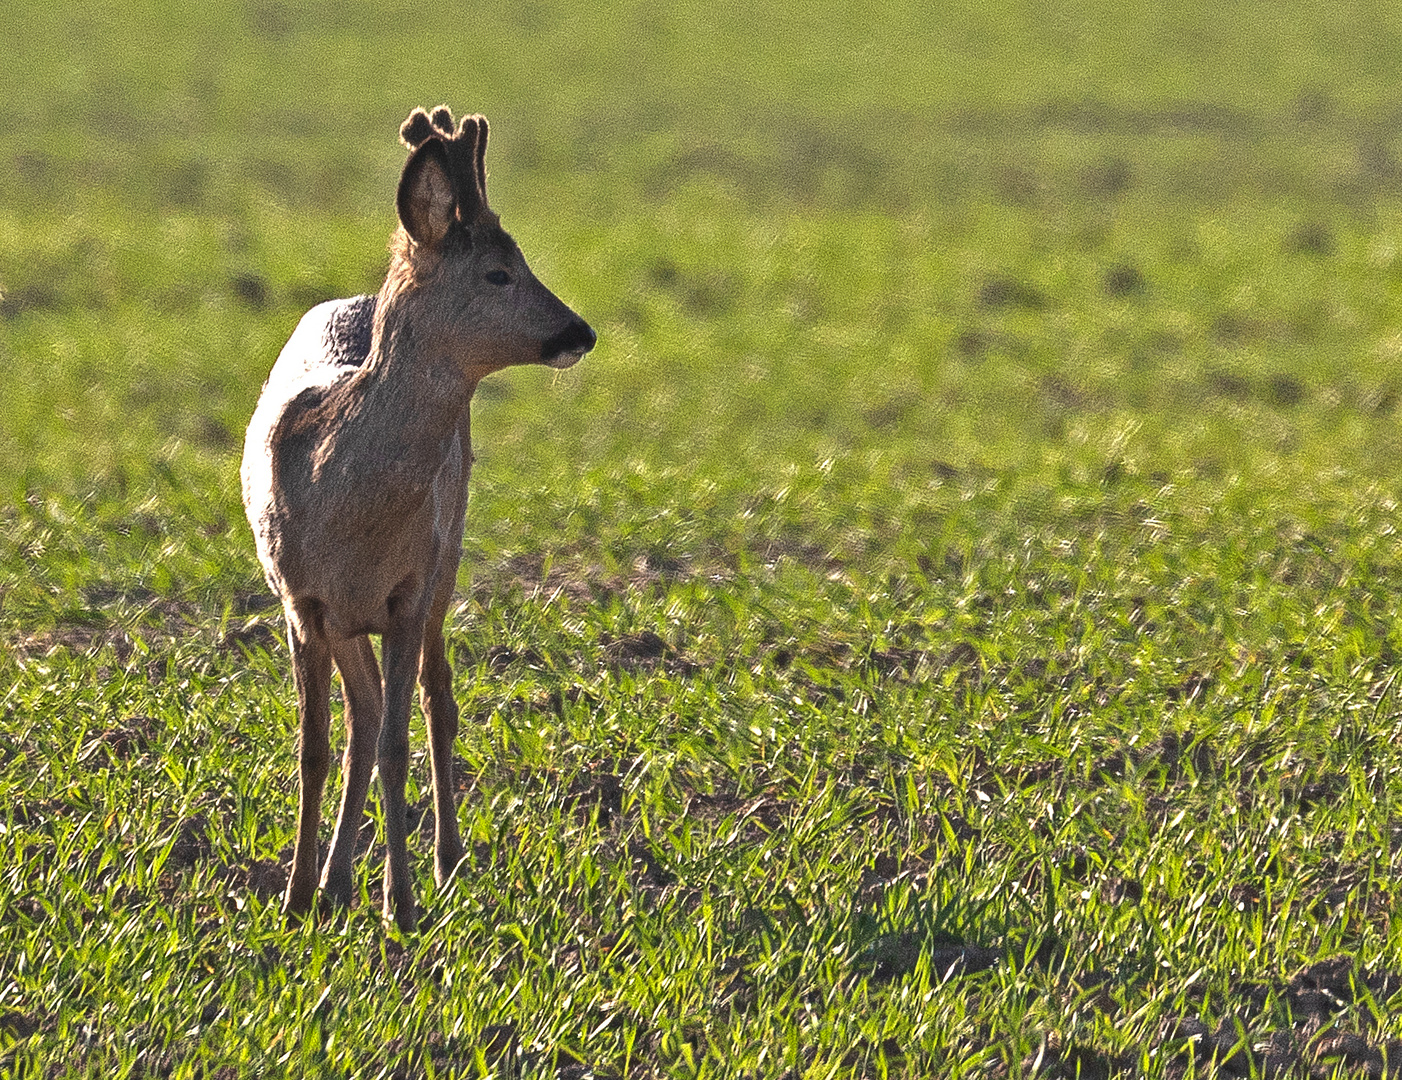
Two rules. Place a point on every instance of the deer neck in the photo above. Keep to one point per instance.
(408, 405)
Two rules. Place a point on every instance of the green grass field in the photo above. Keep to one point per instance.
(948, 628)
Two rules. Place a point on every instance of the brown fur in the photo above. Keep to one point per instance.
(355, 481)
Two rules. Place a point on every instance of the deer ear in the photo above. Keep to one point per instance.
(425, 200)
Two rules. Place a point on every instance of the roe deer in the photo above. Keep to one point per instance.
(355, 475)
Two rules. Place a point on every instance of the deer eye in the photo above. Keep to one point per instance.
(498, 277)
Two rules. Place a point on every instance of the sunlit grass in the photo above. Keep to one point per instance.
(947, 628)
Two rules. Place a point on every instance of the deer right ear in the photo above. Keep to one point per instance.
(425, 201)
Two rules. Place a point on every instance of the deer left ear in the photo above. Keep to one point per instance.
(425, 201)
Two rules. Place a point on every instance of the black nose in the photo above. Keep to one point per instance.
(578, 337)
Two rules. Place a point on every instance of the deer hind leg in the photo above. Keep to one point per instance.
(436, 678)
(360, 679)
(311, 670)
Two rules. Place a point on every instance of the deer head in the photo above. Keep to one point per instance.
(479, 299)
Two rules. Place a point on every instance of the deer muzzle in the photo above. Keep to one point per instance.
(564, 349)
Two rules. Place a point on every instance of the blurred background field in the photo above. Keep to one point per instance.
(900, 241)
(897, 223)
(994, 408)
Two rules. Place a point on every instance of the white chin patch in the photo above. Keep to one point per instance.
(564, 360)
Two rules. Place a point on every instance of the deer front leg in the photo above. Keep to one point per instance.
(360, 678)
(402, 646)
(311, 670)
(436, 677)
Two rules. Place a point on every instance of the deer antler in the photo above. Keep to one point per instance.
(467, 152)
(420, 127)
